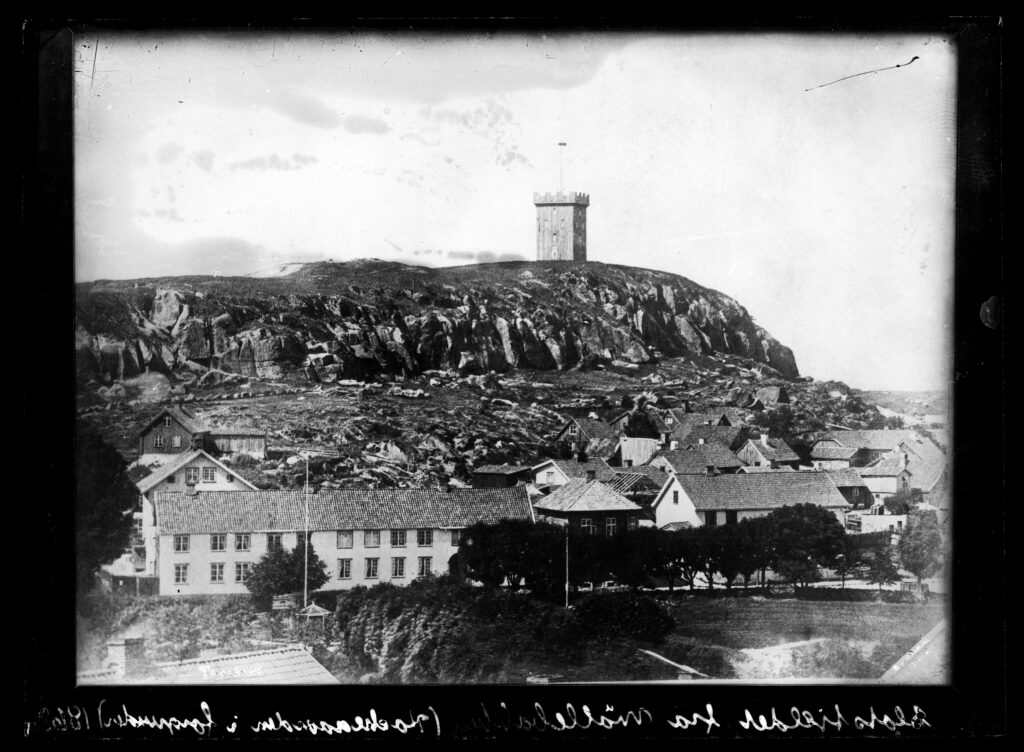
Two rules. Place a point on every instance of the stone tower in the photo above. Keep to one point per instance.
(561, 226)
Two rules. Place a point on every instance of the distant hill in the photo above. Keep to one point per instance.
(357, 319)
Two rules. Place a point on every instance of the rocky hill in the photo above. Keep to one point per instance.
(336, 321)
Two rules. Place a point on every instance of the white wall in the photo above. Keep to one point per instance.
(666, 510)
(325, 545)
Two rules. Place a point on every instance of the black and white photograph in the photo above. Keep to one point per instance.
(515, 357)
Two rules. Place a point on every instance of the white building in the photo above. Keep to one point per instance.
(209, 541)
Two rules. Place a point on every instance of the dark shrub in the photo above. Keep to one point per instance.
(624, 614)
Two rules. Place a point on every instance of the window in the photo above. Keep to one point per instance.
(344, 540)
(217, 572)
(398, 539)
(371, 569)
(273, 541)
(229, 478)
(242, 541)
(191, 474)
(344, 569)
(170, 478)
(242, 570)
(550, 477)
(219, 542)
(456, 538)
(424, 537)
(610, 526)
(710, 518)
(137, 522)
(398, 567)
(181, 574)
(424, 568)
(731, 516)
(209, 475)
(167, 421)
(632, 522)
(181, 544)
(371, 539)
(300, 538)
(573, 430)
(176, 442)
(675, 497)
(587, 526)
(158, 442)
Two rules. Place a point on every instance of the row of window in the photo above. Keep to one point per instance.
(208, 475)
(371, 539)
(242, 570)
(611, 525)
(711, 518)
(371, 570)
(158, 442)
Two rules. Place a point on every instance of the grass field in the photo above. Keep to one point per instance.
(741, 637)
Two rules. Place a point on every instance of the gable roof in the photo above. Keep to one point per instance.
(695, 458)
(161, 473)
(576, 469)
(875, 440)
(680, 421)
(887, 466)
(845, 477)
(774, 449)
(291, 664)
(766, 469)
(381, 509)
(827, 450)
(216, 431)
(633, 483)
(727, 436)
(591, 428)
(188, 421)
(504, 469)
(761, 491)
(925, 461)
(585, 496)
(655, 474)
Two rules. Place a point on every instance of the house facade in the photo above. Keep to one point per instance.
(501, 476)
(210, 541)
(723, 499)
(588, 435)
(591, 507)
(175, 430)
(196, 469)
(768, 452)
(552, 473)
(887, 476)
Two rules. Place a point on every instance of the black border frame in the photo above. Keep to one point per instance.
(974, 705)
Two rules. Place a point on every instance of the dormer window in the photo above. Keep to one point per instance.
(167, 421)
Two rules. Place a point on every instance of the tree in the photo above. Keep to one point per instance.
(751, 537)
(803, 537)
(920, 546)
(695, 554)
(280, 572)
(105, 499)
(727, 544)
(515, 551)
(633, 556)
(667, 562)
(881, 567)
(901, 502)
(178, 633)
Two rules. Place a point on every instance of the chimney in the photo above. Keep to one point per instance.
(710, 470)
(702, 441)
(127, 655)
(686, 406)
(764, 437)
(905, 461)
(774, 464)
(673, 444)
(591, 475)
(190, 488)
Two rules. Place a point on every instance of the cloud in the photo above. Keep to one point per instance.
(461, 255)
(366, 124)
(275, 162)
(204, 159)
(305, 109)
(169, 152)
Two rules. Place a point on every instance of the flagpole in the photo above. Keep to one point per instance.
(560, 183)
(305, 548)
(567, 563)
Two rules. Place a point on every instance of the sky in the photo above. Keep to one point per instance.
(739, 161)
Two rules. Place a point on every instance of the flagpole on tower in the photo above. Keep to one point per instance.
(560, 145)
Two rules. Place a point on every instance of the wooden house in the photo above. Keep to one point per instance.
(590, 507)
(589, 435)
(552, 473)
(173, 431)
(501, 476)
(768, 452)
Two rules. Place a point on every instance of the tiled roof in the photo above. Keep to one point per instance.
(877, 440)
(727, 436)
(576, 469)
(766, 469)
(845, 477)
(775, 449)
(186, 419)
(585, 496)
(823, 450)
(216, 431)
(888, 465)
(501, 469)
(656, 474)
(761, 491)
(633, 483)
(595, 429)
(182, 460)
(285, 665)
(258, 511)
(925, 461)
(696, 458)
